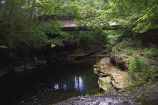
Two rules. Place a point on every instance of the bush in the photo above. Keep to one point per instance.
(90, 40)
(140, 71)
(151, 52)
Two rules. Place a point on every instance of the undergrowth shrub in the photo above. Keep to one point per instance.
(140, 71)
(151, 52)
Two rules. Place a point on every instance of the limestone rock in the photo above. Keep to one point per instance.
(105, 84)
(111, 77)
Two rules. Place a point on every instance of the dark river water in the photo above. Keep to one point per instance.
(45, 87)
(50, 85)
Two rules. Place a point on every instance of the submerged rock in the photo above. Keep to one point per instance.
(93, 100)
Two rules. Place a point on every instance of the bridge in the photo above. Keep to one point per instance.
(69, 24)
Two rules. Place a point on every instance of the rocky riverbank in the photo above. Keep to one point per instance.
(111, 78)
(113, 71)
(98, 100)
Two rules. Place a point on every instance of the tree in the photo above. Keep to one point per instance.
(19, 33)
(141, 16)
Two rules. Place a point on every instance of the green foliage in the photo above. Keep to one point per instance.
(140, 71)
(21, 31)
(151, 52)
(3, 46)
(57, 36)
(90, 40)
(141, 16)
(116, 36)
(18, 28)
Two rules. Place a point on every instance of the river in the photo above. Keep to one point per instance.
(53, 84)
(45, 87)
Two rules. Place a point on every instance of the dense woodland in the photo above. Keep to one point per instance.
(23, 37)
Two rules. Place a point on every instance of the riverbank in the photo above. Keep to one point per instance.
(113, 71)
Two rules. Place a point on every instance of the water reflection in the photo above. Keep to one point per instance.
(56, 86)
(78, 82)
(50, 87)
(65, 86)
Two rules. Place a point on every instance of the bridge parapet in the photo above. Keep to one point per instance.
(69, 24)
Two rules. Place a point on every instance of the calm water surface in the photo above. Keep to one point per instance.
(51, 85)
(48, 87)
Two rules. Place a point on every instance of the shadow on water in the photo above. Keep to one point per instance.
(48, 86)
(52, 84)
